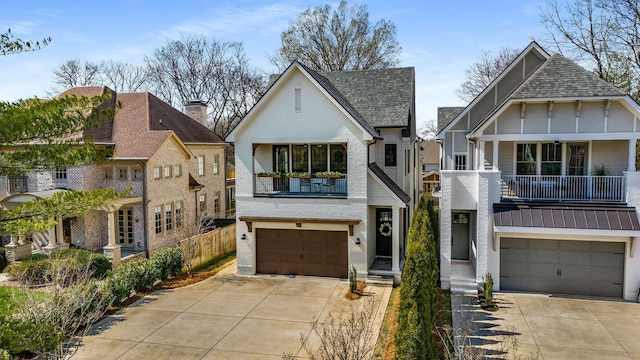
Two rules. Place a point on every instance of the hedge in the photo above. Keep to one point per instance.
(416, 315)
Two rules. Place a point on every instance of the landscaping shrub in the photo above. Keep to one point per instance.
(36, 257)
(98, 263)
(21, 338)
(137, 275)
(30, 272)
(168, 262)
(3, 261)
(416, 314)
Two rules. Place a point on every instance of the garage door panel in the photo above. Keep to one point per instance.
(542, 256)
(515, 255)
(302, 252)
(575, 257)
(562, 266)
(543, 244)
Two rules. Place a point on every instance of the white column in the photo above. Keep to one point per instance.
(111, 230)
(60, 234)
(496, 146)
(52, 239)
(632, 155)
(395, 239)
(112, 250)
(480, 163)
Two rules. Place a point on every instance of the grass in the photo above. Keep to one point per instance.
(384, 347)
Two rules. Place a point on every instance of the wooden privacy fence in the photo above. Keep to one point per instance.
(198, 250)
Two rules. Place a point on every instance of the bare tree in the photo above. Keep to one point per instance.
(483, 71)
(210, 70)
(123, 77)
(75, 73)
(604, 35)
(343, 38)
(429, 129)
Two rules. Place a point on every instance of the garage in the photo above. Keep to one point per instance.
(562, 266)
(302, 252)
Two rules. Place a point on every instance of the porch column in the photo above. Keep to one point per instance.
(113, 250)
(395, 239)
(496, 145)
(53, 244)
(480, 163)
(631, 162)
(11, 249)
(60, 235)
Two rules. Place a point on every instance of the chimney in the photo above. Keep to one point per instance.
(197, 110)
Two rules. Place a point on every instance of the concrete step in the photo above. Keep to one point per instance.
(380, 280)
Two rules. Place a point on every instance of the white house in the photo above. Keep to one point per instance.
(539, 182)
(326, 173)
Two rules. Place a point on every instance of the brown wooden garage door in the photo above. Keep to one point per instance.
(562, 266)
(302, 252)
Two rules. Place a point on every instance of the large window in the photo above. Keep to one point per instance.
(216, 203)
(318, 158)
(300, 159)
(577, 159)
(526, 159)
(390, 155)
(158, 219)
(551, 162)
(201, 165)
(168, 216)
(461, 162)
(338, 157)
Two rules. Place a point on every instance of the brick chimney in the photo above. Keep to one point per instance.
(197, 110)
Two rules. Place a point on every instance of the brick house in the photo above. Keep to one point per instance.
(175, 165)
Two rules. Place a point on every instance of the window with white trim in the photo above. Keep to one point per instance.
(201, 165)
(167, 171)
(157, 172)
(460, 162)
(216, 164)
(216, 203)
(137, 173)
(61, 173)
(178, 207)
(177, 170)
(158, 218)
(298, 99)
(551, 162)
(526, 159)
(108, 172)
(123, 173)
(168, 216)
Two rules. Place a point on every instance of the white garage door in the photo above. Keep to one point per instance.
(562, 266)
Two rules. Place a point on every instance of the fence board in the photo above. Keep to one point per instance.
(200, 249)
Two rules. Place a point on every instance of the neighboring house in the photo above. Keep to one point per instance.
(174, 164)
(430, 157)
(539, 182)
(360, 127)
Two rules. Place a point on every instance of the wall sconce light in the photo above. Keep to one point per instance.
(358, 241)
(137, 219)
(243, 237)
(557, 142)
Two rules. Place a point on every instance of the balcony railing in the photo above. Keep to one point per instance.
(559, 188)
(300, 186)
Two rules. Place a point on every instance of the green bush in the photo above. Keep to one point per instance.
(168, 262)
(3, 261)
(23, 338)
(417, 310)
(137, 275)
(30, 272)
(35, 257)
(98, 263)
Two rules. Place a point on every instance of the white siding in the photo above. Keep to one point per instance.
(611, 154)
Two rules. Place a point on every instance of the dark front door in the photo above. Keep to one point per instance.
(383, 232)
(460, 236)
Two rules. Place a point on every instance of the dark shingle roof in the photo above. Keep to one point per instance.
(337, 95)
(389, 183)
(447, 114)
(560, 77)
(570, 216)
(385, 97)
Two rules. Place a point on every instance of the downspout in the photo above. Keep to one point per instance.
(144, 208)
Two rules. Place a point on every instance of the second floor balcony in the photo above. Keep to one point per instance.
(563, 188)
(313, 185)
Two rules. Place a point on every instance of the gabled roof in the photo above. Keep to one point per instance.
(389, 183)
(430, 151)
(143, 123)
(560, 77)
(446, 114)
(385, 97)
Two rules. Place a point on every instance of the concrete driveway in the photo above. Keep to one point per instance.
(224, 317)
(551, 326)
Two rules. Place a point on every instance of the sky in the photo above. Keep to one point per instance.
(441, 39)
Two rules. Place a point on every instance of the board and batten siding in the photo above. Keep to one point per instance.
(611, 154)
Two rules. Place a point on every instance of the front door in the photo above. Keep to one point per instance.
(383, 232)
(460, 236)
(125, 227)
